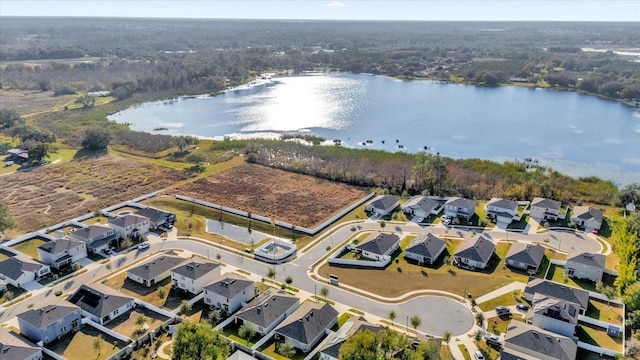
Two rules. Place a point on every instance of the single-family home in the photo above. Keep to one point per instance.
(194, 275)
(154, 271)
(49, 322)
(157, 218)
(587, 217)
(474, 252)
(377, 245)
(425, 249)
(19, 270)
(558, 291)
(549, 313)
(545, 209)
(62, 252)
(458, 207)
(587, 266)
(527, 257)
(419, 206)
(523, 342)
(98, 238)
(101, 303)
(307, 325)
(267, 310)
(382, 205)
(3, 286)
(331, 347)
(501, 210)
(18, 155)
(13, 347)
(229, 293)
(130, 225)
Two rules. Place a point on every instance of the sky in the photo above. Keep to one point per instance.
(440, 10)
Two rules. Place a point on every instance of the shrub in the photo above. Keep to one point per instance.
(58, 293)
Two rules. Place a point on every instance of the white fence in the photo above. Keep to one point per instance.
(598, 349)
(334, 260)
(113, 334)
(51, 353)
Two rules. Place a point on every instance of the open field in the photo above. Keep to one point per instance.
(58, 192)
(33, 101)
(298, 199)
(79, 345)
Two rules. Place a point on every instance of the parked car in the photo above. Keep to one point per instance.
(143, 246)
(419, 220)
(522, 307)
(494, 340)
(477, 355)
(502, 310)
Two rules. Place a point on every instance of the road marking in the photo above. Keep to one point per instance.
(294, 264)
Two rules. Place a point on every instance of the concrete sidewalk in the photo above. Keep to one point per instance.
(509, 288)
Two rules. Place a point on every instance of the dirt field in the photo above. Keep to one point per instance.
(28, 102)
(59, 192)
(298, 199)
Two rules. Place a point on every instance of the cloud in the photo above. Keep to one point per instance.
(335, 4)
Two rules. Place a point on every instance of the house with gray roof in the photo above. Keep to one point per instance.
(130, 225)
(587, 218)
(307, 325)
(98, 238)
(420, 206)
(527, 342)
(50, 322)
(382, 205)
(425, 249)
(229, 293)
(331, 347)
(19, 270)
(545, 209)
(101, 303)
(549, 313)
(501, 210)
(18, 155)
(155, 270)
(13, 347)
(558, 291)
(474, 252)
(157, 218)
(586, 266)
(194, 275)
(62, 252)
(267, 310)
(527, 257)
(459, 207)
(378, 245)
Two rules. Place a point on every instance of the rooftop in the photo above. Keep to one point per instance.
(529, 254)
(15, 266)
(589, 259)
(229, 286)
(91, 232)
(195, 269)
(99, 300)
(60, 245)
(379, 243)
(127, 220)
(308, 321)
(461, 202)
(546, 203)
(587, 213)
(476, 248)
(426, 245)
(267, 307)
(503, 204)
(386, 202)
(156, 267)
(12, 346)
(48, 314)
(539, 341)
(559, 291)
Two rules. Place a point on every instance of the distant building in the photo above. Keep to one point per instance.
(545, 209)
(97, 238)
(459, 207)
(501, 210)
(587, 217)
(62, 252)
(382, 205)
(130, 225)
(157, 218)
(419, 206)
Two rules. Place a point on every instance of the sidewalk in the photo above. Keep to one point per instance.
(509, 288)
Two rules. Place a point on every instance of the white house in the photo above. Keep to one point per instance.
(425, 249)
(382, 205)
(194, 275)
(501, 210)
(587, 217)
(587, 266)
(267, 310)
(101, 303)
(96, 237)
(154, 271)
(229, 293)
(554, 314)
(458, 207)
(62, 252)
(474, 252)
(13, 347)
(545, 209)
(378, 245)
(130, 225)
(157, 218)
(419, 206)
(307, 325)
(20, 270)
(524, 341)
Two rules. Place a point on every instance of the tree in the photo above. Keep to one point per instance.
(288, 280)
(96, 139)
(214, 317)
(6, 220)
(446, 337)
(631, 297)
(185, 308)
(426, 350)
(286, 349)
(415, 322)
(362, 345)
(392, 316)
(198, 341)
(605, 290)
(324, 291)
(86, 100)
(38, 151)
(480, 319)
(271, 273)
(247, 331)
(97, 344)
(140, 321)
(9, 118)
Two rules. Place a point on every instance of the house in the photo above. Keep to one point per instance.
(527, 257)
(3, 286)
(377, 245)
(545, 209)
(12, 347)
(267, 310)
(20, 270)
(229, 293)
(501, 210)
(154, 271)
(425, 249)
(474, 252)
(331, 348)
(458, 207)
(585, 266)
(419, 206)
(17, 155)
(587, 217)
(558, 291)
(98, 238)
(101, 303)
(307, 325)
(382, 205)
(157, 218)
(194, 275)
(556, 315)
(49, 322)
(62, 252)
(524, 341)
(130, 225)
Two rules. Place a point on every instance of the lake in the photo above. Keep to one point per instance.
(577, 134)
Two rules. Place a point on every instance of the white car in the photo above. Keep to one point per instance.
(143, 246)
(419, 220)
(478, 355)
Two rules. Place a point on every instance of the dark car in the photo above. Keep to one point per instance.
(522, 307)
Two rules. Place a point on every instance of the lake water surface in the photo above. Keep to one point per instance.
(576, 134)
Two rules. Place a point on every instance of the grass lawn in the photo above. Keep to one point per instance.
(465, 352)
(231, 331)
(4, 254)
(589, 355)
(11, 293)
(30, 247)
(79, 345)
(507, 299)
(489, 352)
(600, 310)
(498, 325)
(598, 336)
(99, 220)
(445, 352)
(270, 349)
(482, 215)
(556, 273)
(126, 324)
(519, 225)
(148, 294)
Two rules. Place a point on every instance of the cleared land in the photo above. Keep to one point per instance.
(30, 101)
(79, 345)
(55, 193)
(298, 199)
(126, 324)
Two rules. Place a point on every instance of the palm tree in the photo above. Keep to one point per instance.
(392, 316)
(415, 322)
(480, 319)
(97, 344)
(140, 321)
(446, 337)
